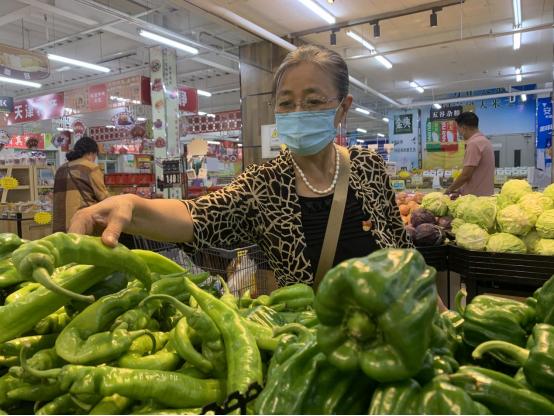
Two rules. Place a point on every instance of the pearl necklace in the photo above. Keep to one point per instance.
(310, 186)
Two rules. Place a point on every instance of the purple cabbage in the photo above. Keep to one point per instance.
(411, 232)
(428, 235)
(422, 216)
(445, 222)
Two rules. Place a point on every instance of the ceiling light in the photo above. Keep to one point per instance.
(201, 113)
(109, 126)
(212, 142)
(380, 135)
(78, 63)
(519, 77)
(433, 19)
(385, 119)
(361, 40)
(362, 110)
(64, 129)
(361, 130)
(204, 93)
(523, 97)
(517, 41)
(320, 11)
(517, 13)
(333, 39)
(210, 115)
(360, 141)
(418, 87)
(384, 61)
(239, 145)
(141, 118)
(20, 82)
(437, 106)
(168, 42)
(376, 30)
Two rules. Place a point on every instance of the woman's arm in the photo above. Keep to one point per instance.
(157, 219)
(98, 185)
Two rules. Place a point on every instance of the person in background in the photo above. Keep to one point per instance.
(79, 183)
(477, 177)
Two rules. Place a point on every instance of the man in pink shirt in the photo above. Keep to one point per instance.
(477, 177)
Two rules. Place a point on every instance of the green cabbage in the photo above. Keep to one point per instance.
(545, 224)
(472, 237)
(505, 243)
(545, 247)
(536, 203)
(514, 189)
(437, 203)
(515, 220)
(458, 206)
(481, 212)
(456, 223)
(531, 239)
(549, 191)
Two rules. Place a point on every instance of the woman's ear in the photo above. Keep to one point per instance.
(342, 110)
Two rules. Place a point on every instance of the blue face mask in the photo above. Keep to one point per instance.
(306, 132)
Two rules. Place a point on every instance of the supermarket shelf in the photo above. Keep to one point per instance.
(21, 188)
(45, 187)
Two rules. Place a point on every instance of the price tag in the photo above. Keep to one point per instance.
(398, 184)
(428, 174)
(447, 173)
(43, 218)
(500, 179)
(417, 180)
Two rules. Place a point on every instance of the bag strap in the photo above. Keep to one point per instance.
(83, 196)
(334, 222)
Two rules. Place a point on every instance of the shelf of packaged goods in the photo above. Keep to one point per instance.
(45, 186)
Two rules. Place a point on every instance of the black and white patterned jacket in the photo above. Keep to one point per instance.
(262, 206)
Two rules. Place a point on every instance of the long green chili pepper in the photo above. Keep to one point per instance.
(33, 343)
(294, 297)
(112, 405)
(162, 356)
(87, 339)
(41, 360)
(244, 364)
(158, 263)
(212, 343)
(171, 389)
(36, 392)
(24, 290)
(37, 260)
(186, 350)
(54, 322)
(227, 297)
(9, 275)
(21, 316)
(61, 405)
(8, 243)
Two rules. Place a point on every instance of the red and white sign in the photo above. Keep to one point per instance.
(45, 107)
(23, 141)
(105, 134)
(188, 99)
(78, 128)
(223, 121)
(97, 97)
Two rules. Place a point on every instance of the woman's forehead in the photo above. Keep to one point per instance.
(305, 78)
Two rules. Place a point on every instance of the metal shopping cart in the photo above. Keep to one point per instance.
(243, 268)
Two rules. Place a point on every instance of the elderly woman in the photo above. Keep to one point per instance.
(283, 205)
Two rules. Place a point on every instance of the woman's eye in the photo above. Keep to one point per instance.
(284, 104)
(314, 101)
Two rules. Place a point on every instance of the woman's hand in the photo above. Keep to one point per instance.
(113, 214)
(157, 219)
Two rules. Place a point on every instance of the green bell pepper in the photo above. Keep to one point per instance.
(537, 362)
(545, 302)
(376, 314)
(9, 275)
(490, 317)
(399, 398)
(500, 393)
(8, 243)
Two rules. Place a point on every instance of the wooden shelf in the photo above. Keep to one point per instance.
(22, 187)
(45, 187)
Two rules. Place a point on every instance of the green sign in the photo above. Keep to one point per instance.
(403, 124)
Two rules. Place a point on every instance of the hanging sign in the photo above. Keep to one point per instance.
(23, 64)
(27, 141)
(6, 104)
(403, 124)
(45, 107)
(79, 129)
(188, 99)
(445, 113)
(4, 139)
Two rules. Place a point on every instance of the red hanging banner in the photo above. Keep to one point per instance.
(37, 108)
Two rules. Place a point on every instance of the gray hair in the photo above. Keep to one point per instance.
(329, 61)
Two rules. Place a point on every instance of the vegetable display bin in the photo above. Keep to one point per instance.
(501, 273)
(435, 256)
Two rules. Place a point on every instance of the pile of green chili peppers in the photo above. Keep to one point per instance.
(86, 329)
